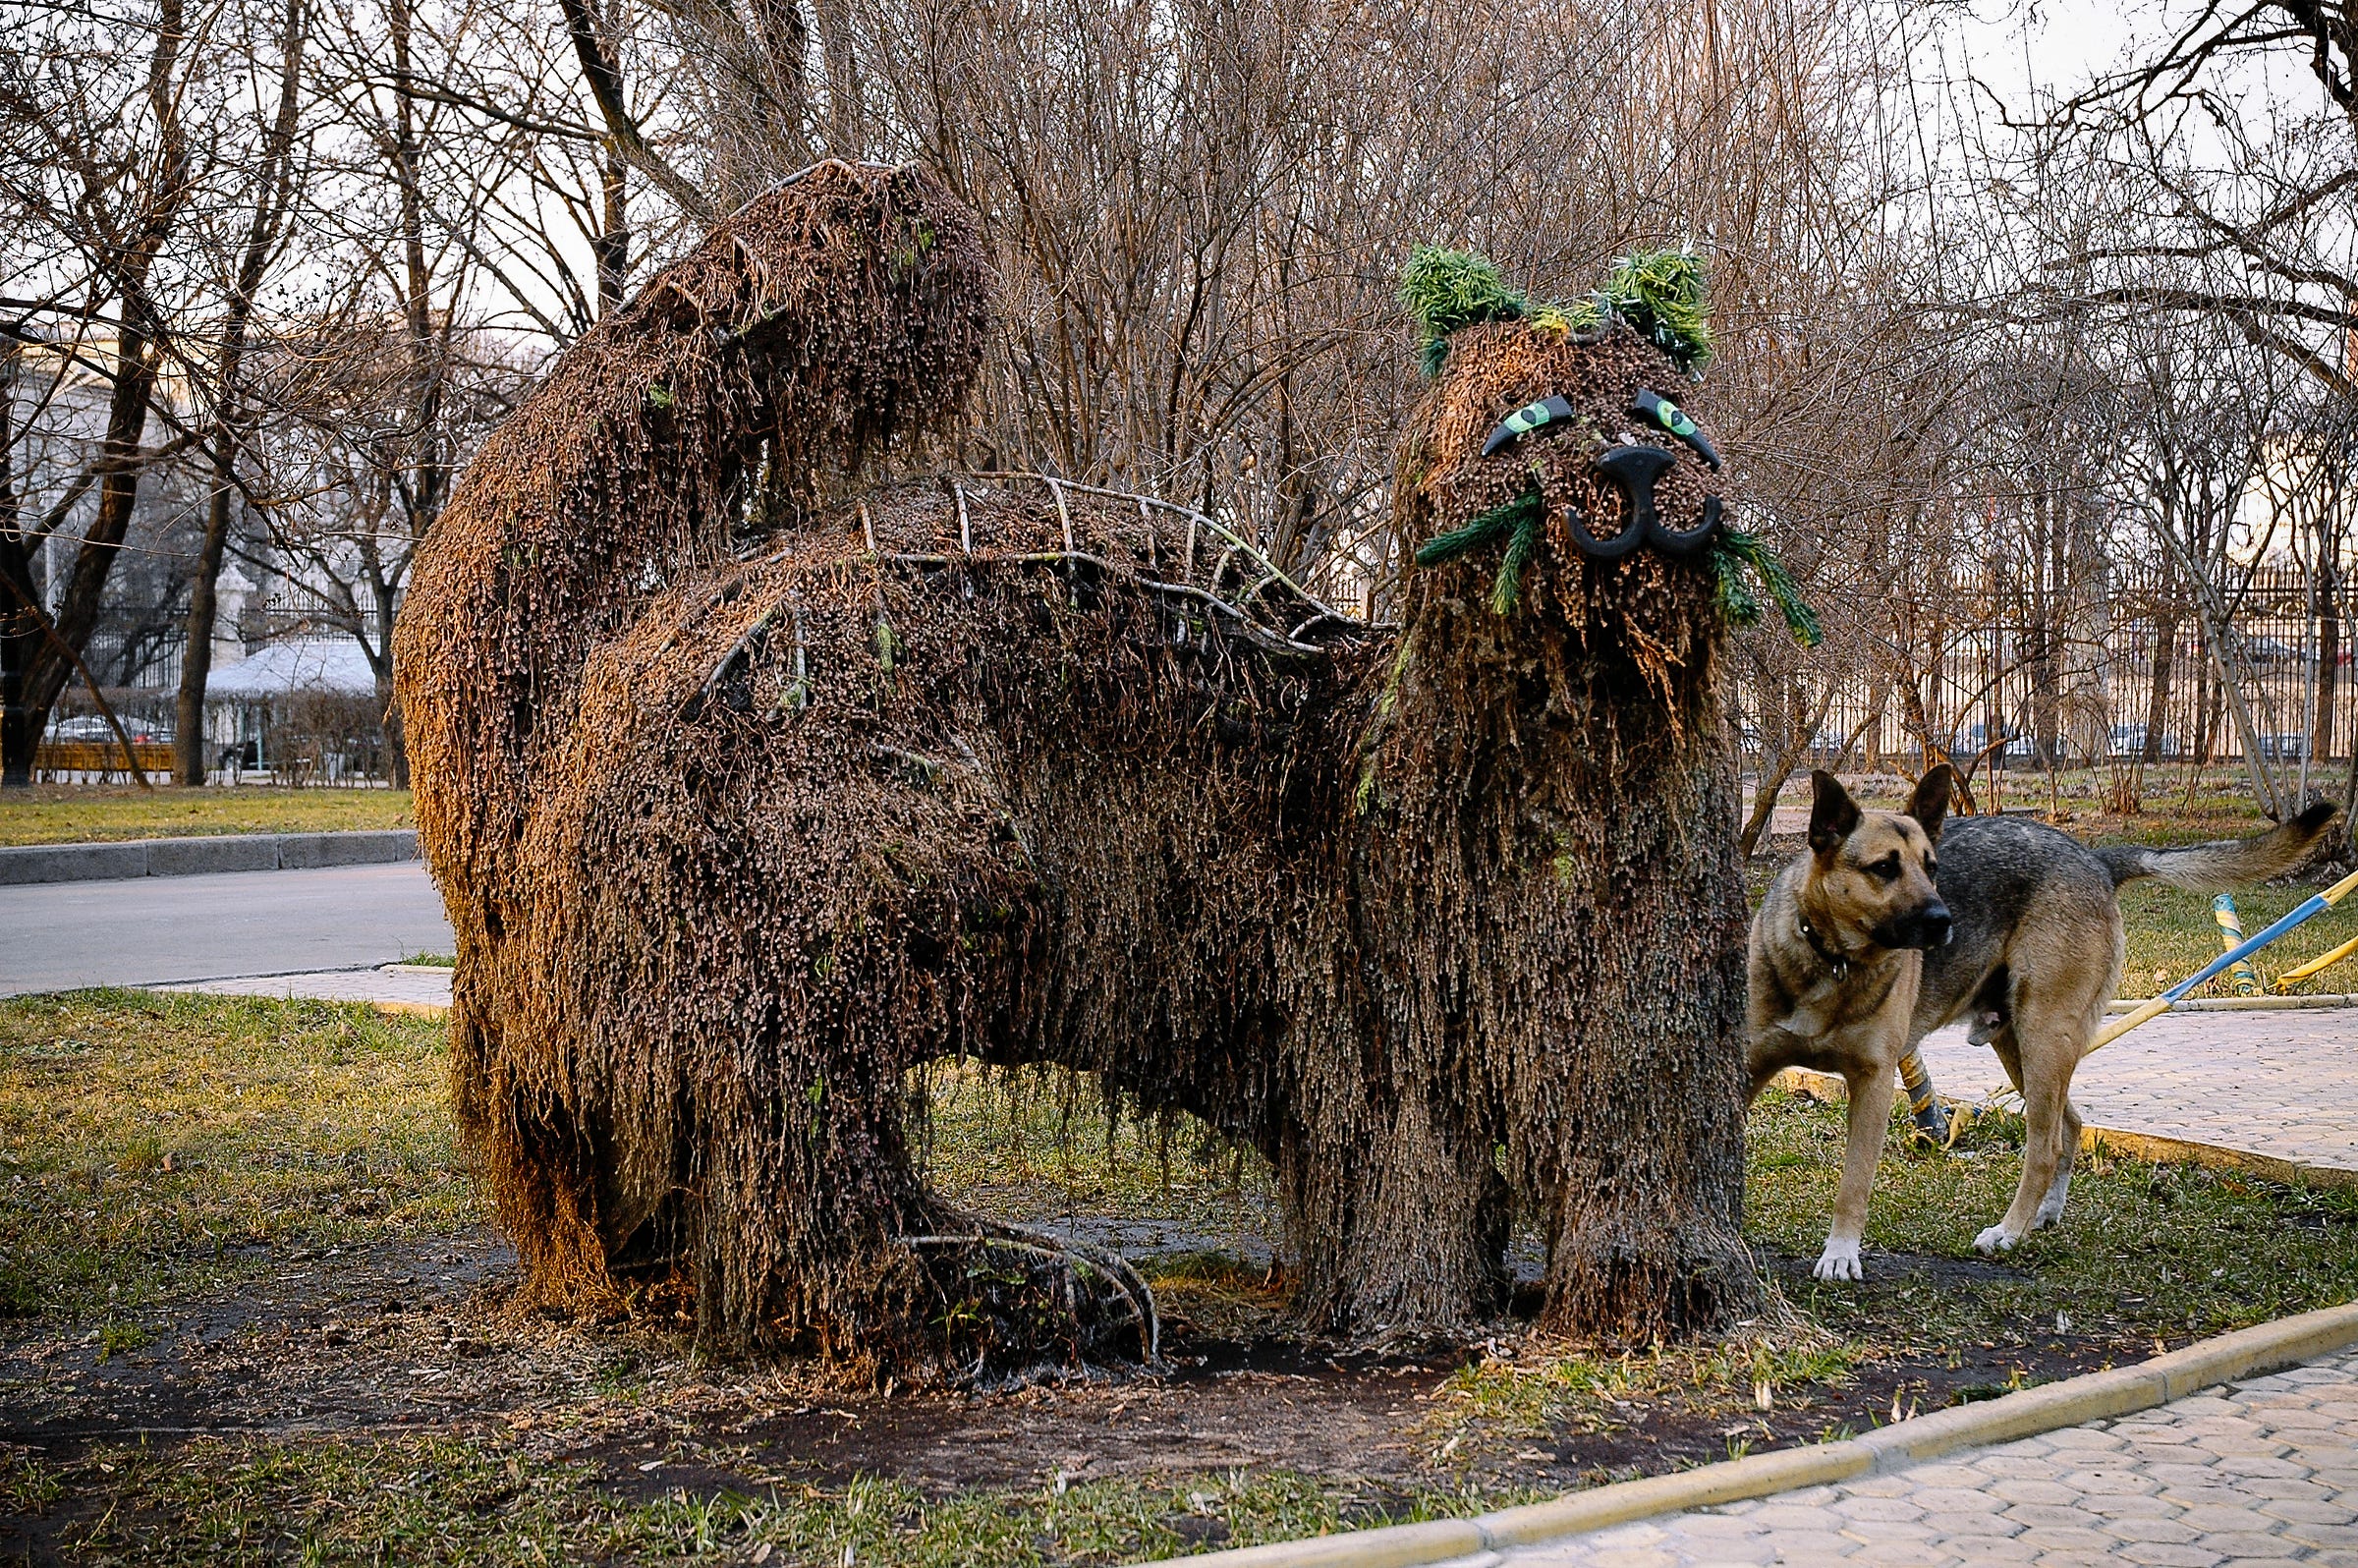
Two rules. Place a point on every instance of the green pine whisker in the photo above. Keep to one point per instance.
(1519, 551)
(1732, 551)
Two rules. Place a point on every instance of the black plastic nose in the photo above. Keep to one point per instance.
(1637, 469)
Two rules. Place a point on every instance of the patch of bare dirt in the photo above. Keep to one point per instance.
(420, 1338)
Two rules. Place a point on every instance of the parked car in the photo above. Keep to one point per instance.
(1974, 739)
(2128, 740)
(2268, 650)
(94, 727)
(2282, 747)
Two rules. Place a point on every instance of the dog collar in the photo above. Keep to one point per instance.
(1838, 962)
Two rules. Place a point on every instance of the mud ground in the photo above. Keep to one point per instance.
(420, 1338)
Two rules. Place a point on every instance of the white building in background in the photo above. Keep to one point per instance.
(248, 703)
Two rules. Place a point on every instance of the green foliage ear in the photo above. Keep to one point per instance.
(1446, 290)
(1660, 294)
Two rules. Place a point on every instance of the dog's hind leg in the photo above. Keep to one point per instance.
(1870, 1094)
(2046, 1048)
(2058, 1191)
(2051, 1206)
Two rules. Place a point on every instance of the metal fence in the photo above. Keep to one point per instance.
(2115, 669)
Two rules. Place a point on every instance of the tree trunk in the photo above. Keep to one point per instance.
(51, 664)
(17, 629)
(611, 248)
(2329, 651)
(273, 190)
(55, 655)
(197, 661)
(2156, 701)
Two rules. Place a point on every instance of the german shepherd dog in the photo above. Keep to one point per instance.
(1887, 928)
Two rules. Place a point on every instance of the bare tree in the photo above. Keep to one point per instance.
(100, 173)
(270, 188)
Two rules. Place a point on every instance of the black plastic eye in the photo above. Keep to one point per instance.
(1530, 416)
(1664, 414)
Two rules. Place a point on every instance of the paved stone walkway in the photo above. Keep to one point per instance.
(2283, 1084)
(402, 984)
(2258, 1475)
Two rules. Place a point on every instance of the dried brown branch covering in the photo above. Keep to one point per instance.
(748, 803)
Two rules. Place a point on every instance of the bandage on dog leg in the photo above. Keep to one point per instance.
(1935, 1122)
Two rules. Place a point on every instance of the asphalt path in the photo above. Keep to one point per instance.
(156, 931)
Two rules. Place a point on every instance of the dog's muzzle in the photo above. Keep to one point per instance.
(1928, 926)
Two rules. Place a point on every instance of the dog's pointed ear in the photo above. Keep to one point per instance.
(1832, 813)
(1930, 804)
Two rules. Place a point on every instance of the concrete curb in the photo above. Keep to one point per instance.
(21, 865)
(2159, 1149)
(2096, 1396)
(2243, 1004)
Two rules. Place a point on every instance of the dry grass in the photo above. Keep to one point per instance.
(478, 1501)
(76, 814)
(156, 1145)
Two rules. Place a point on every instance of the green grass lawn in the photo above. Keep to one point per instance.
(154, 1148)
(75, 813)
(2173, 933)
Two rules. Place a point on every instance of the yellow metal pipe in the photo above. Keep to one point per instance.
(2293, 977)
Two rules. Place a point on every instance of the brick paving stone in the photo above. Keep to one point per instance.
(2300, 1510)
(1878, 1510)
(2157, 1529)
(2067, 1537)
(1948, 1472)
(2032, 1489)
(2230, 1515)
(2245, 1080)
(1971, 1524)
(2246, 1543)
(2261, 1475)
(2168, 1554)
(1897, 1554)
(1813, 1545)
(1992, 1549)
(2132, 1505)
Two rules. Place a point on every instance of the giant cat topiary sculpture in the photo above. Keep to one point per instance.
(753, 783)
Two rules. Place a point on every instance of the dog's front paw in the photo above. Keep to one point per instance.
(1839, 1260)
(1996, 1239)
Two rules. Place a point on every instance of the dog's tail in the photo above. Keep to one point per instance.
(2231, 863)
